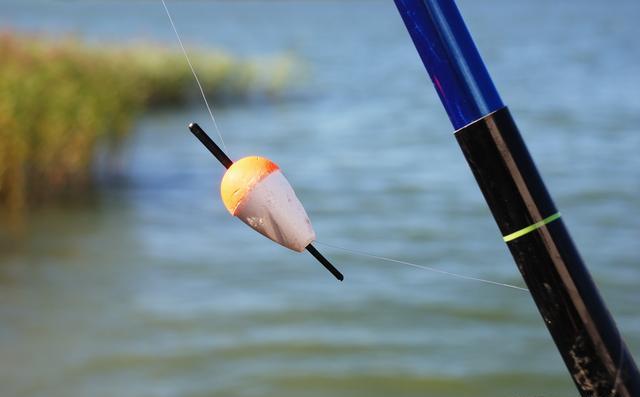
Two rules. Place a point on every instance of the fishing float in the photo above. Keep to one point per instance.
(254, 190)
(532, 228)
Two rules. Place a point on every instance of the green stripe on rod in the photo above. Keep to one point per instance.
(531, 228)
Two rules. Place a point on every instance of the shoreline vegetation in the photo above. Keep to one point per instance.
(62, 101)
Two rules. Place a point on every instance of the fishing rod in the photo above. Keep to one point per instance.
(280, 232)
(532, 228)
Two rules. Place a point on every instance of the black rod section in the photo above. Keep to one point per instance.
(324, 262)
(222, 157)
(568, 300)
(210, 144)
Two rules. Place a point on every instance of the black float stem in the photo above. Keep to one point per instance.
(211, 145)
(222, 157)
(325, 262)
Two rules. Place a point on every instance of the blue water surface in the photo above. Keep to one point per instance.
(156, 291)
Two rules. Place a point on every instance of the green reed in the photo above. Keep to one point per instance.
(63, 100)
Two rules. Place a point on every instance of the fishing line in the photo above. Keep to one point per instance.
(351, 251)
(423, 267)
(195, 75)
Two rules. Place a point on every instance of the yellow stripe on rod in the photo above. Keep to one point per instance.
(531, 228)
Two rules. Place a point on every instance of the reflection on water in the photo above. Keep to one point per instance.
(155, 291)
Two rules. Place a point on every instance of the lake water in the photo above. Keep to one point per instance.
(154, 290)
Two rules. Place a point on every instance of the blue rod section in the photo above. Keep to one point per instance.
(451, 58)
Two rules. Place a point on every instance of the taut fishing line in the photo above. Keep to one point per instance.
(201, 133)
(423, 267)
(193, 71)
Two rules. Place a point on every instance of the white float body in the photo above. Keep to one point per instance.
(272, 209)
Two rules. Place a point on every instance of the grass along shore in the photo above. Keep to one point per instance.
(60, 100)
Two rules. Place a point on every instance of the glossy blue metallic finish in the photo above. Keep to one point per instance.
(451, 58)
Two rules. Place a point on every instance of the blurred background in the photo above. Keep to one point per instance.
(121, 273)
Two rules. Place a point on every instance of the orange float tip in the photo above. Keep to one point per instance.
(241, 177)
